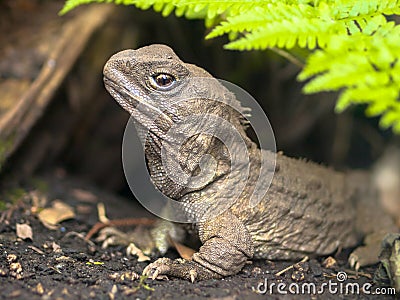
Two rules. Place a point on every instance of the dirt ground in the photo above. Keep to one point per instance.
(59, 264)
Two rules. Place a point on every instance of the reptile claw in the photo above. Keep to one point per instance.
(155, 274)
(146, 270)
(193, 275)
(353, 261)
(357, 266)
(158, 269)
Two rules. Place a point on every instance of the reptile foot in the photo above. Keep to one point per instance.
(165, 266)
(368, 253)
(160, 267)
(180, 268)
(364, 256)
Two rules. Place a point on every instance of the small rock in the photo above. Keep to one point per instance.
(298, 275)
(16, 267)
(38, 289)
(3, 272)
(301, 266)
(11, 258)
(125, 276)
(256, 271)
(329, 262)
(24, 231)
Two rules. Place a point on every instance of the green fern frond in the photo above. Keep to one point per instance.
(286, 25)
(165, 7)
(188, 8)
(278, 26)
(71, 4)
(228, 7)
(366, 69)
(354, 8)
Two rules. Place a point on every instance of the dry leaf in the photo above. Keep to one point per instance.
(184, 251)
(59, 212)
(56, 247)
(24, 231)
(38, 289)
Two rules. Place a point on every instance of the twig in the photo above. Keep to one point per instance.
(358, 273)
(36, 249)
(119, 223)
(291, 267)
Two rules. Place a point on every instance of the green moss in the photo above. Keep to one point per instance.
(14, 195)
(11, 196)
(3, 205)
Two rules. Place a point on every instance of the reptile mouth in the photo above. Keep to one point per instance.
(131, 102)
(123, 96)
(129, 99)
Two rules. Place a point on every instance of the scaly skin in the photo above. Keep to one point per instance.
(308, 210)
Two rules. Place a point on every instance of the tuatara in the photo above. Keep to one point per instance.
(308, 210)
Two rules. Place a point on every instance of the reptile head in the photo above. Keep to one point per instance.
(151, 76)
(159, 90)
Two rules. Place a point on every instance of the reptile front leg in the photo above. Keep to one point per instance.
(227, 245)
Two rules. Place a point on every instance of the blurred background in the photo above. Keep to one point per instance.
(56, 116)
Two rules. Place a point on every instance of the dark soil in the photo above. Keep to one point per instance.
(35, 269)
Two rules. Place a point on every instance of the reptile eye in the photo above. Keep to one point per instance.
(163, 80)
